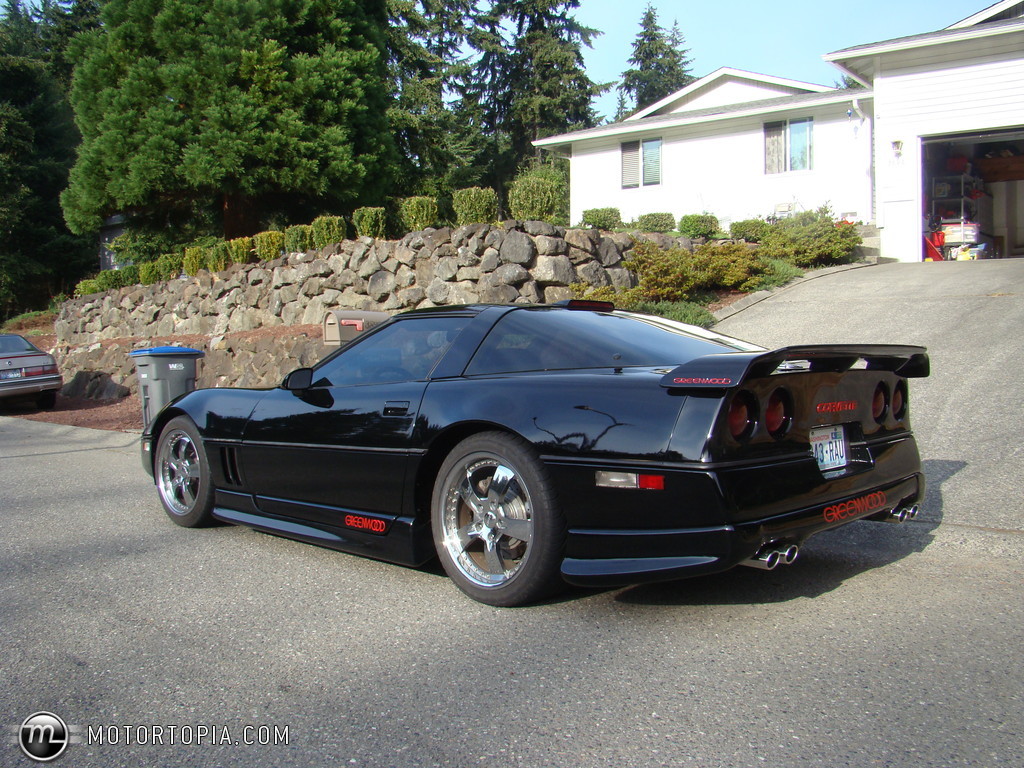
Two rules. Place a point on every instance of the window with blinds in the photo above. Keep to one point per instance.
(641, 163)
(788, 145)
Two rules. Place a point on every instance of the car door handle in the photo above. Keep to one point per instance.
(396, 407)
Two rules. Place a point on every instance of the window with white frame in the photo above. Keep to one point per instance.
(788, 145)
(641, 163)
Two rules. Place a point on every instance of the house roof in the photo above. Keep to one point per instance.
(1004, 9)
(710, 114)
(858, 61)
(721, 74)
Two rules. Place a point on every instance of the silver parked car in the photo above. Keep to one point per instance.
(27, 371)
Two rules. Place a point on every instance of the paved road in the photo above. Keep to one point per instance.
(883, 646)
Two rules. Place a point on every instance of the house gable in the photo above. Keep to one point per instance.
(724, 87)
(1007, 9)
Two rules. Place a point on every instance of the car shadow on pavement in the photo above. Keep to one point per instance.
(825, 562)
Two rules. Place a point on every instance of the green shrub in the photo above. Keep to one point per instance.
(540, 193)
(680, 311)
(656, 222)
(811, 239)
(698, 225)
(603, 218)
(217, 257)
(328, 230)
(107, 280)
(148, 273)
(268, 244)
(195, 259)
(169, 266)
(370, 222)
(417, 213)
(751, 230)
(777, 274)
(298, 239)
(128, 275)
(733, 266)
(87, 287)
(474, 205)
(240, 250)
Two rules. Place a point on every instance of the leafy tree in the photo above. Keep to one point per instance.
(249, 108)
(660, 65)
(38, 256)
(529, 80)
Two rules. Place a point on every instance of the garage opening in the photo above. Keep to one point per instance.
(974, 195)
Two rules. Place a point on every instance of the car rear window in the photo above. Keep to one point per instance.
(545, 339)
(15, 344)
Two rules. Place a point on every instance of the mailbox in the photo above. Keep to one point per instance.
(343, 325)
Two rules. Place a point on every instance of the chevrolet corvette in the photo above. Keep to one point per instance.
(527, 447)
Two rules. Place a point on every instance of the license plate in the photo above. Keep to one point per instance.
(15, 374)
(829, 447)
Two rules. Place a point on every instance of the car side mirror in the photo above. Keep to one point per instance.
(300, 378)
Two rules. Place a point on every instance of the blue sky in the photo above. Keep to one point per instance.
(784, 38)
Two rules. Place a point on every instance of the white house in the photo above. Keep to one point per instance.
(906, 149)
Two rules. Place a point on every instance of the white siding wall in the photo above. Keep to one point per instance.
(956, 88)
(719, 168)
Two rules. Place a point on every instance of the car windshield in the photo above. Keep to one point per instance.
(543, 339)
(11, 344)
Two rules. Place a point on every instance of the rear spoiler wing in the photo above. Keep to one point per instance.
(726, 370)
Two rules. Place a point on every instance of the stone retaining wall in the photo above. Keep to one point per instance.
(517, 262)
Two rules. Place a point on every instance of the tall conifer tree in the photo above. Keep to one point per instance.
(251, 107)
(660, 63)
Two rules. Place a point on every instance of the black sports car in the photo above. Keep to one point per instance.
(527, 446)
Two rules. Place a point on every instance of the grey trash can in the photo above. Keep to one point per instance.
(164, 373)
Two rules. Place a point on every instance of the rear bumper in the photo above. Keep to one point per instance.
(616, 557)
(31, 385)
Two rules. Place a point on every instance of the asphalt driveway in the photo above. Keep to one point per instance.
(883, 645)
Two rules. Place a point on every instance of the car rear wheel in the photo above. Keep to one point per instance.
(497, 527)
(183, 474)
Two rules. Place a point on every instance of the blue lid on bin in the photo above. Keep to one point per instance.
(184, 351)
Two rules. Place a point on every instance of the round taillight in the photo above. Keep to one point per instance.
(899, 401)
(778, 414)
(880, 403)
(742, 415)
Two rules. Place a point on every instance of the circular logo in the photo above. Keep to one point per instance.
(43, 737)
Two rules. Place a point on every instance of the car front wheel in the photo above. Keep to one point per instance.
(183, 474)
(497, 527)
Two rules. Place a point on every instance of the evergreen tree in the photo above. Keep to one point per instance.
(529, 81)
(38, 256)
(251, 108)
(660, 65)
(60, 22)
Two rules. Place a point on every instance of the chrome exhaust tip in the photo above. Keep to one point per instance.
(766, 560)
(897, 515)
(913, 512)
(789, 554)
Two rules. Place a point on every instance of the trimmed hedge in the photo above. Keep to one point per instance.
(474, 205)
(656, 222)
(370, 222)
(751, 230)
(194, 260)
(607, 219)
(538, 194)
(240, 250)
(298, 239)
(217, 257)
(328, 230)
(169, 266)
(417, 213)
(698, 225)
(268, 245)
(148, 273)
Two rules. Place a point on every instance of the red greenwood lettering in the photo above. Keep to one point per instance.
(873, 502)
(371, 524)
(837, 407)
(701, 381)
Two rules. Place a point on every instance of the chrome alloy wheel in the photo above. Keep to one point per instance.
(487, 520)
(180, 472)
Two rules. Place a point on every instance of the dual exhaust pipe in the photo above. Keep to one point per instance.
(772, 555)
(901, 514)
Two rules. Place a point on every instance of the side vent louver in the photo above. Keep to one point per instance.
(229, 464)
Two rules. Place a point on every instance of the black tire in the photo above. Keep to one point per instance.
(182, 474)
(501, 545)
(46, 400)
